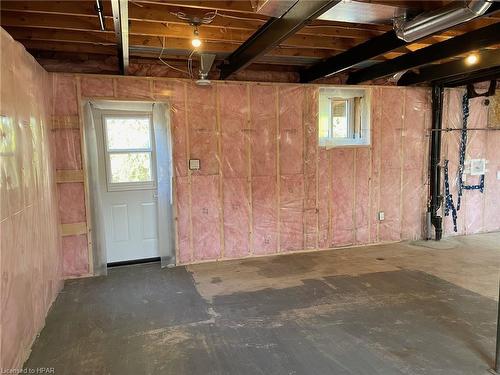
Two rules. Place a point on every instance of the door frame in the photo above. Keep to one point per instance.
(95, 232)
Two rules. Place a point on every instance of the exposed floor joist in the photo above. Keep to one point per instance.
(274, 32)
(486, 60)
(474, 40)
(362, 52)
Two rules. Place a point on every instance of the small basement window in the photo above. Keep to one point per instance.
(344, 117)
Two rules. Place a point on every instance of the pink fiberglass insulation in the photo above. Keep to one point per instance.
(233, 120)
(67, 144)
(179, 131)
(291, 212)
(376, 132)
(183, 219)
(265, 215)
(263, 101)
(478, 118)
(97, 87)
(362, 195)
(202, 125)
(452, 118)
(291, 131)
(65, 101)
(416, 121)
(477, 212)
(324, 198)
(492, 192)
(31, 258)
(71, 202)
(391, 123)
(75, 255)
(342, 197)
(131, 88)
(245, 133)
(206, 206)
(236, 217)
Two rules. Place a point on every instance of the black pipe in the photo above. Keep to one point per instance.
(435, 170)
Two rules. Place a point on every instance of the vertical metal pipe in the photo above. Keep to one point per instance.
(435, 169)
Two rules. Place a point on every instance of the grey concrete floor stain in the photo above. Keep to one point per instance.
(145, 320)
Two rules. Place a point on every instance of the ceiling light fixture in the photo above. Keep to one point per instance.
(196, 42)
(471, 59)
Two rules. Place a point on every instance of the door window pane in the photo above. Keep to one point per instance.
(130, 167)
(128, 133)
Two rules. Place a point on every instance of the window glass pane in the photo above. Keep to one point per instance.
(130, 167)
(128, 133)
(340, 119)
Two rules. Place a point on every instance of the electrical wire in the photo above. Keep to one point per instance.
(167, 64)
(190, 64)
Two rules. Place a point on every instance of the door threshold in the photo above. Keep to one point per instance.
(133, 261)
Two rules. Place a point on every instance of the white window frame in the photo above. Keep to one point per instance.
(361, 139)
(137, 185)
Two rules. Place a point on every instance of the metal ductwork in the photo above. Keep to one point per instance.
(440, 19)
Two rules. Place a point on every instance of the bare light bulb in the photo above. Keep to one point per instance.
(471, 59)
(196, 42)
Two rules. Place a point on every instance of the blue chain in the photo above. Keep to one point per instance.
(449, 204)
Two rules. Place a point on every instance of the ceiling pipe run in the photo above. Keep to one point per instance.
(440, 19)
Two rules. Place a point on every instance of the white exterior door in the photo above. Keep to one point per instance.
(128, 185)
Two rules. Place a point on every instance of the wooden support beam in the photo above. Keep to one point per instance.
(74, 229)
(64, 176)
(120, 21)
(274, 32)
(464, 43)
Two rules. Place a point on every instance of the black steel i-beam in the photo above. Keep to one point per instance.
(273, 32)
(474, 40)
(435, 158)
(447, 71)
(355, 55)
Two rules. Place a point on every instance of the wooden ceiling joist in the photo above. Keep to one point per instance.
(440, 72)
(464, 43)
(65, 26)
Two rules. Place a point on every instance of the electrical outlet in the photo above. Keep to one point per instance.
(381, 215)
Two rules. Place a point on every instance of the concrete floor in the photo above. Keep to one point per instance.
(406, 308)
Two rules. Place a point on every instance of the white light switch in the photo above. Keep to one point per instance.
(381, 216)
(498, 175)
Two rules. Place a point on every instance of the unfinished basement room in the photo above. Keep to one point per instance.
(250, 187)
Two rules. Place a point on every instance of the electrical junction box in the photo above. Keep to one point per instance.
(477, 167)
(194, 164)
